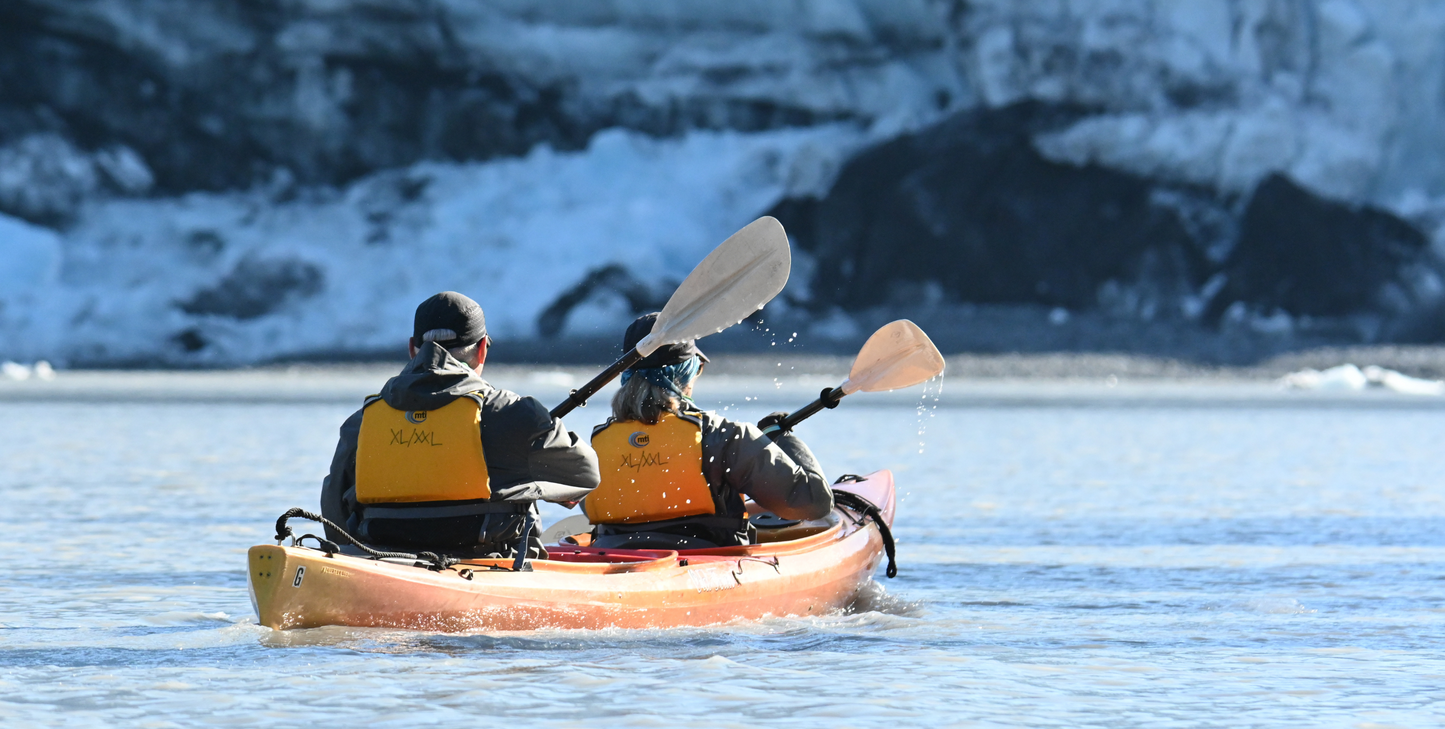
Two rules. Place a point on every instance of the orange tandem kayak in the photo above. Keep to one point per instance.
(805, 569)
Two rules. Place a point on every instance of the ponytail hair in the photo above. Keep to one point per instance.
(647, 393)
(643, 401)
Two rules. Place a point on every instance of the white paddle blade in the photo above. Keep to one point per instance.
(897, 356)
(735, 280)
(575, 524)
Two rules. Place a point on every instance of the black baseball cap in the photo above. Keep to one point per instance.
(451, 311)
(668, 354)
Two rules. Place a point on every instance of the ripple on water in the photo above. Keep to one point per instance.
(1063, 566)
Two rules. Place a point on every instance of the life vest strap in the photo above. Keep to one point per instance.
(425, 511)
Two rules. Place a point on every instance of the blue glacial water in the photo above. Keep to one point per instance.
(1192, 557)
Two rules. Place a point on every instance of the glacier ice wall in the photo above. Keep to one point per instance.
(232, 182)
(1342, 95)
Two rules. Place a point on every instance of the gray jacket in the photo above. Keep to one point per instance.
(530, 456)
(782, 476)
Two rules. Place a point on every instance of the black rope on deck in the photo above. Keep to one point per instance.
(433, 561)
(850, 500)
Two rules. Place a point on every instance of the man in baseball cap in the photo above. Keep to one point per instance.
(442, 460)
(449, 319)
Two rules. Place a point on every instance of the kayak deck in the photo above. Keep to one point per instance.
(578, 587)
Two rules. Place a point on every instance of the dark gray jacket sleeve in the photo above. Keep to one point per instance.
(782, 477)
(560, 466)
(338, 489)
(563, 465)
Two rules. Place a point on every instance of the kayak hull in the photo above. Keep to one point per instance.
(578, 587)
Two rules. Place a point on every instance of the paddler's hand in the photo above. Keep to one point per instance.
(769, 424)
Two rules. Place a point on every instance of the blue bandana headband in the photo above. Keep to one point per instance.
(674, 377)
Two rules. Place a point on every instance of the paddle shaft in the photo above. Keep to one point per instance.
(578, 398)
(828, 399)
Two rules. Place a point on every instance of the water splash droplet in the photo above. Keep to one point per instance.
(932, 390)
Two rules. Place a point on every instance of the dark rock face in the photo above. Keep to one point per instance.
(1307, 255)
(256, 287)
(611, 279)
(970, 208)
(969, 204)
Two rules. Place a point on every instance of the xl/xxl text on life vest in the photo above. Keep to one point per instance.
(643, 460)
(416, 437)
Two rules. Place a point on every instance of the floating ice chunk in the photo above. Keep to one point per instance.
(14, 371)
(1403, 383)
(1343, 377)
(1350, 377)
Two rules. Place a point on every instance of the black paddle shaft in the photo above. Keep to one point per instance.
(828, 398)
(578, 398)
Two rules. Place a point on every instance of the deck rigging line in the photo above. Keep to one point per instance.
(850, 500)
(430, 560)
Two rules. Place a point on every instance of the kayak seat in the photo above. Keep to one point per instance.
(769, 520)
(797, 529)
(650, 540)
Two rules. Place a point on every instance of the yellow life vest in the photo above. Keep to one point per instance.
(649, 472)
(420, 455)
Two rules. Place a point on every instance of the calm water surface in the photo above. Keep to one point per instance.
(1177, 563)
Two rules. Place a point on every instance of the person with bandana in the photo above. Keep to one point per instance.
(674, 476)
(442, 460)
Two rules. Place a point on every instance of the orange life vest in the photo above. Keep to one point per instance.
(649, 472)
(420, 455)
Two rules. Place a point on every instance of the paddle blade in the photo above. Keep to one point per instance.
(736, 279)
(897, 356)
(575, 524)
